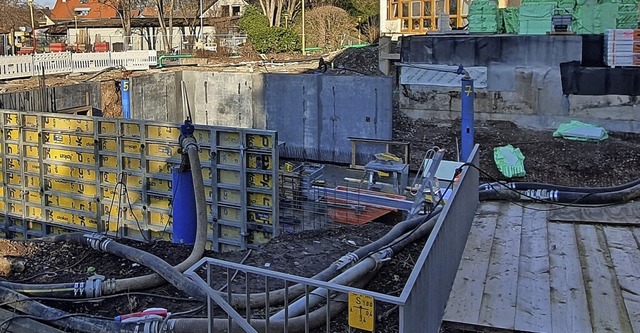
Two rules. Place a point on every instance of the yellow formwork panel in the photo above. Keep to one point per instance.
(156, 201)
(30, 121)
(32, 181)
(108, 161)
(229, 196)
(131, 163)
(259, 237)
(14, 208)
(259, 161)
(112, 194)
(32, 166)
(2, 206)
(229, 177)
(70, 218)
(208, 192)
(14, 193)
(11, 119)
(159, 185)
(30, 151)
(30, 136)
(59, 231)
(71, 187)
(34, 212)
(158, 218)
(62, 124)
(34, 197)
(70, 172)
(229, 158)
(130, 130)
(259, 217)
(259, 180)
(12, 164)
(231, 139)
(12, 134)
(230, 233)
(35, 226)
(108, 144)
(71, 140)
(162, 235)
(259, 141)
(14, 179)
(131, 147)
(203, 137)
(69, 156)
(162, 150)
(159, 167)
(13, 149)
(67, 202)
(259, 200)
(106, 127)
(229, 214)
(162, 133)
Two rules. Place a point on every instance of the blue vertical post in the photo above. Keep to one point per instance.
(184, 208)
(125, 90)
(468, 130)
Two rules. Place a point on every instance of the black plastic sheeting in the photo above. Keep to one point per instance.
(581, 80)
(593, 50)
(483, 50)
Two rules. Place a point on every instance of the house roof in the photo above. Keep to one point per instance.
(136, 22)
(66, 10)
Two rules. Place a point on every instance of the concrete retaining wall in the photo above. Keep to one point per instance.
(54, 98)
(313, 114)
(523, 82)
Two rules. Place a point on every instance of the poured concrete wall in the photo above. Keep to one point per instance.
(523, 82)
(54, 98)
(313, 114)
(157, 97)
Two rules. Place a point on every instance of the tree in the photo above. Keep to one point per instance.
(327, 26)
(273, 10)
(266, 38)
(14, 14)
(123, 8)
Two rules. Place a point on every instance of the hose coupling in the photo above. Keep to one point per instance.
(93, 286)
(78, 289)
(109, 287)
(97, 242)
(346, 260)
(384, 255)
(540, 194)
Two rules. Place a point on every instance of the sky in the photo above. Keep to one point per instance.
(46, 3)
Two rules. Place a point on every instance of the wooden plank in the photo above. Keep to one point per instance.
(533, 308)
(466, 295)
(499, 298)
(625, 256)
(606, 305)
(569, 308)
(627, 214)
(24, 325)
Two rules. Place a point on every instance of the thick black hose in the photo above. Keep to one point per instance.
(551, 187)
(565, 197)
(76, 323)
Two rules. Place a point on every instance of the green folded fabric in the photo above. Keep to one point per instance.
(510, 161)
(579, 131)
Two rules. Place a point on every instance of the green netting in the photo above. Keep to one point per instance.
(627, 21)
(595, 19)
(510, 20)
(579, 131)
(509, 160)
(568, 4)
(630, 2)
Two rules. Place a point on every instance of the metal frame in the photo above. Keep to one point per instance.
(141, 142)
(426, 292)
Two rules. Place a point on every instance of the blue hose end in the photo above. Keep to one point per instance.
(187, 129)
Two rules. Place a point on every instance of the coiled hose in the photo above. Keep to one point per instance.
(577, 196)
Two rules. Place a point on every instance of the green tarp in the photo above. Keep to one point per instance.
(595, 19)
(579, 131)
(509, 160)
(535, 17)
(510, 21)
(483, 16)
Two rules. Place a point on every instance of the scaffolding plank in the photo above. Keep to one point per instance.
(625, 256)
(603, 292)
(500, 291)
(466, 295)
(627, 214)
(568, 296)
(533, 309)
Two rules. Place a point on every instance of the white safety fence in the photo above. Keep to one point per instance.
(12, 67)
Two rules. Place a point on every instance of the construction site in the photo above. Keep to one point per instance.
(442, 182)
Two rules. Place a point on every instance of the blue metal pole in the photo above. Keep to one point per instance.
(468, 130)
(125, 90)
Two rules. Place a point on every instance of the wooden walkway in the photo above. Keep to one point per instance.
(568, 270)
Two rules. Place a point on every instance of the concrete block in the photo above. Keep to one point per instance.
(611, 107)
(501, 77)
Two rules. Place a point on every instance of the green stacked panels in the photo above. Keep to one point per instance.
(535, 17)
(483, 16)
(595, 18)
(627, 15)
(566, 4)
(510, 19)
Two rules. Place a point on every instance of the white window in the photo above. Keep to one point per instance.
(81, 11)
